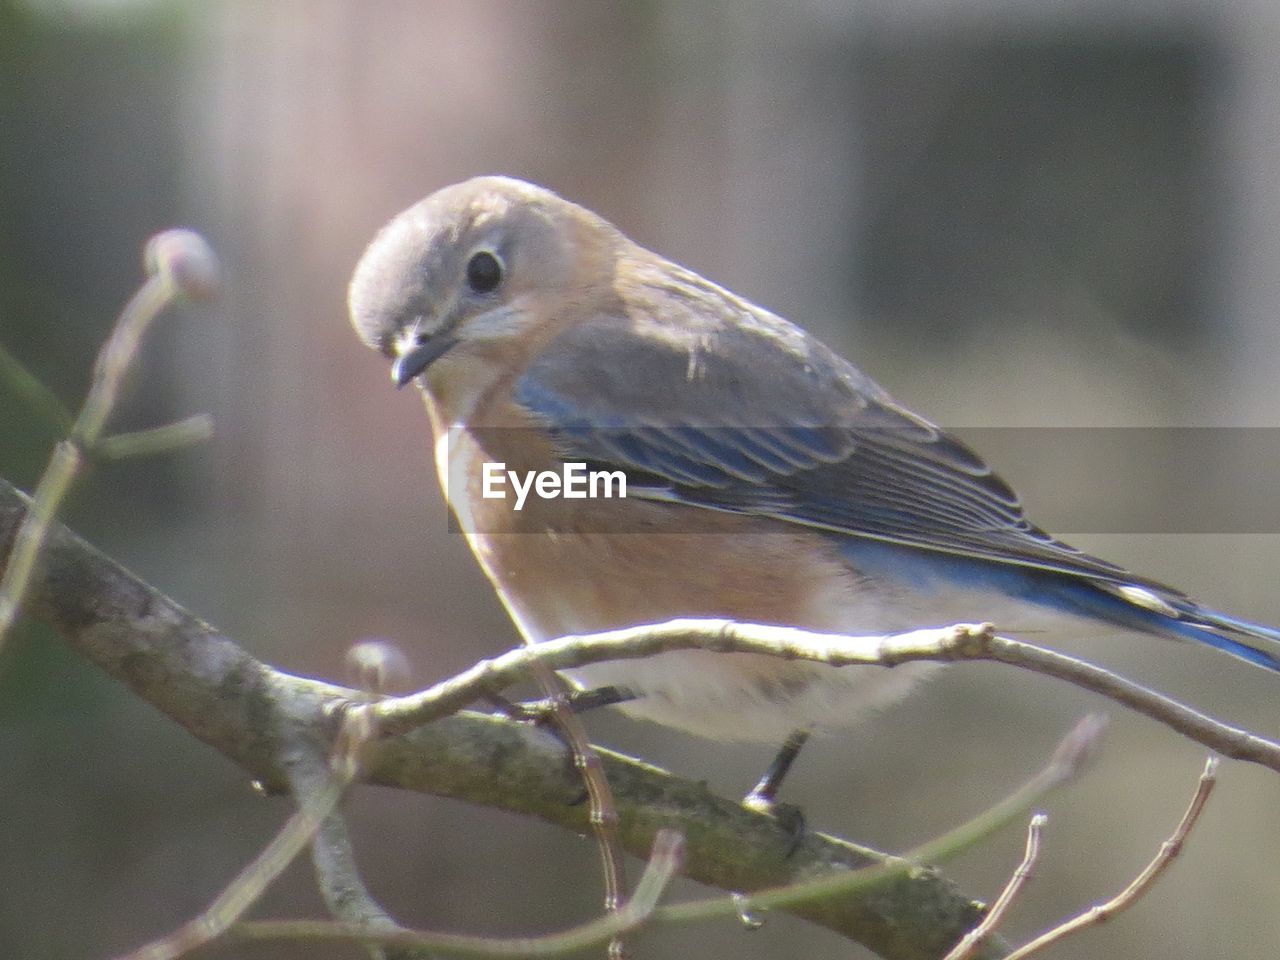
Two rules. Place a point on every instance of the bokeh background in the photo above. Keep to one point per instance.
(1012, 213)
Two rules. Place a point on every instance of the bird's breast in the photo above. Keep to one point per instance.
(571, 566)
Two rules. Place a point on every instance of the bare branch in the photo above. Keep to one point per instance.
(1131, 894)
(970, 942)
(963, 642)
(179, 263)
(253, 715)
(1066, 762)
(1069, 760)
(40, 399)
(162, 439)
(664, 864)
(341, 887)
(242, 892)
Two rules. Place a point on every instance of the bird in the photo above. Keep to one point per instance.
(767, 478)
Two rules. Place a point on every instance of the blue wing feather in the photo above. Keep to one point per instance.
(808, 439)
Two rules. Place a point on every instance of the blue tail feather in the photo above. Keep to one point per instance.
(1253, 643)
(1228, 634)
(1087, 597)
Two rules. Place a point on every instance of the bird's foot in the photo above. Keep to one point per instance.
(542, 712)
(787, 815)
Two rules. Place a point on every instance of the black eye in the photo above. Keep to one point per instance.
(484, 272)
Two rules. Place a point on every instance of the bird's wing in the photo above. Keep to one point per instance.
(744, 412)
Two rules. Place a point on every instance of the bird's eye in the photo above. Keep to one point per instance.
(484, 272)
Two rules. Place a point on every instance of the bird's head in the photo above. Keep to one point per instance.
(472, 271)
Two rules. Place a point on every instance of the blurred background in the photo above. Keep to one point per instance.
(1011, 213)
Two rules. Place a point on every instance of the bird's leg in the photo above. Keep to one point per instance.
(763, 797)
(541, 712)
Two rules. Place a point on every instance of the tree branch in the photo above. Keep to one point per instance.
(969, 943)
(663, 865)
(1137, 889)
(964, 642)
(252, 714)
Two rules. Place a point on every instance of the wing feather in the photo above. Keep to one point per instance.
(772, 423)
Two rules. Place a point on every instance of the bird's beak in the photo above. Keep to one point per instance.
(409, 365)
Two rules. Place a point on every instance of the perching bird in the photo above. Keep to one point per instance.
(768, 479)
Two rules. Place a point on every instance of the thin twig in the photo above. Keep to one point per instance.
(1068, 760)
(204, 681)
(250, 883)
(664, 864)
(341, 887)
(970, 942)
(145, 443)
(963, 642)
(175, 259)
(1163, 859)
(374, 663)
(343, 891)
(39, 397)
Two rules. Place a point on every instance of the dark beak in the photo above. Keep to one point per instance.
(420, 357)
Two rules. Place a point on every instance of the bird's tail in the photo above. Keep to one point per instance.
(1254, 643)
(1165, 612)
